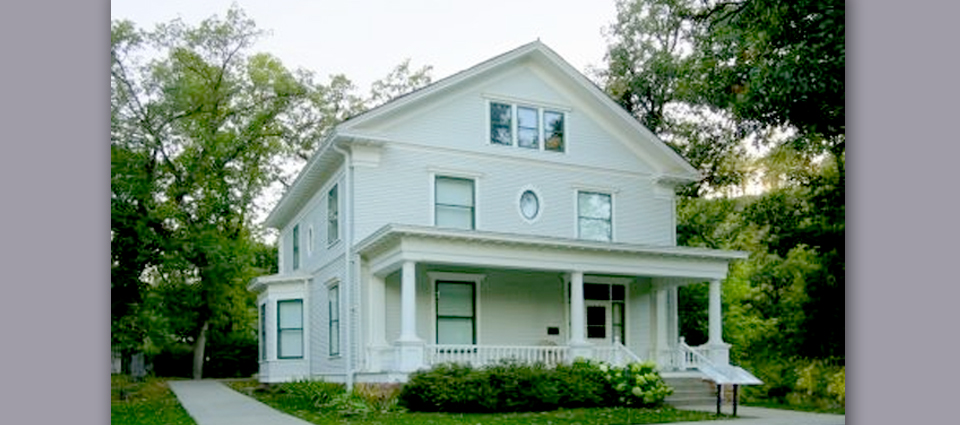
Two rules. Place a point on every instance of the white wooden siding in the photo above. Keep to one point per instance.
(399, 191)
(313, 213)
(321, 362)
(460, 121)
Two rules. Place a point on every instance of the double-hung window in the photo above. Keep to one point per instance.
(290, 329)
(296, 247)
(528, 127)
(333, 216)
(454, 203)
(333, 309)
(594, 216)
(456, 313)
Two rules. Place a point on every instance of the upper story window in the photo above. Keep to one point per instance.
(296, 247)
(333, 216)
(594, 216)
(526, 127)
(454, 203)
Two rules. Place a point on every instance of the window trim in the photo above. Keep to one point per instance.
(540, 203)
(301, 329)
(433, 197)
(476, 280)
(295, 235)
(333, 323)
(576, 212)
(540, 108)
(333, 235)
(310, 241)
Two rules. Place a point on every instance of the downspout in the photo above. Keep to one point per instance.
(348, 263)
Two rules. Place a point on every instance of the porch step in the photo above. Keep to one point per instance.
(689, 391)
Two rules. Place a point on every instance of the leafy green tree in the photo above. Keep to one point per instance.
(401, 80)
(649, 62)
(775, 63)
(198, 130)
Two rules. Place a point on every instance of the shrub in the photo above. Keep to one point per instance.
(309, 394)
(836, 388)
(637, 384)
(378, 397)
(510, 387)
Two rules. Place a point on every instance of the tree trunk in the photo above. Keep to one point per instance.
(198, 348)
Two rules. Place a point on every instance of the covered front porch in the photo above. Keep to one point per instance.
(438, 295)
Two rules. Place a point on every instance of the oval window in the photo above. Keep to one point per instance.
(529, 205)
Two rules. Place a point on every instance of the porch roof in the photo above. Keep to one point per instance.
(392, 244)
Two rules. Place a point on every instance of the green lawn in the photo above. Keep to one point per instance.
(145, 403)
(596, 416)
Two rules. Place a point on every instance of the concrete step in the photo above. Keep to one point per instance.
(688, 391)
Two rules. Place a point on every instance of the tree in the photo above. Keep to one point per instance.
(649, 62)
(776, 63)
(401, 80)
(197, 132)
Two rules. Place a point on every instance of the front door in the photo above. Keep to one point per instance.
(598, 322)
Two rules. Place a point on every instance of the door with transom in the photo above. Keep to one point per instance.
(605, 314)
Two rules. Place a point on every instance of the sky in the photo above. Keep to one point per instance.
(366, 39)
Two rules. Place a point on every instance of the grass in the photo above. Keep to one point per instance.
(146, 403)
(283, 402)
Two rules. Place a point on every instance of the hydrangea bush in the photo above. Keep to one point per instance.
(636, 384)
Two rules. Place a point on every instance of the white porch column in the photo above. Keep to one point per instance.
(719, 350)
(579, 347)
(663, 357)
(378, 348)
(409, 345)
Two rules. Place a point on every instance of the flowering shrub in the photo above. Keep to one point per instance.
(636, 384)
(509, 387)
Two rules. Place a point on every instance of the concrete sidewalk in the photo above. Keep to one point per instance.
(212, 403)
(747, 415)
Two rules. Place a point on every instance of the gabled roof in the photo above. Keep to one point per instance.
(672, 167)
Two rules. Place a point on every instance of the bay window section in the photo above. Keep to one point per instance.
(454, 203)
(594, 216)
(290, 329)
(263, 331)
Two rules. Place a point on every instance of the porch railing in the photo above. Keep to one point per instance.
(616, 354)
(481, 355)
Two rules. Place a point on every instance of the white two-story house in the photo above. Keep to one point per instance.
(511, 210)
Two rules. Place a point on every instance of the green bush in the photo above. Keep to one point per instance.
(836, 388)
(309, 394)
(510, 387)
(637, 384)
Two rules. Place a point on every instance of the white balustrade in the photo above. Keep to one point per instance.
(481, 355)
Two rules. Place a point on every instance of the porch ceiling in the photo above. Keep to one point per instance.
(386, 249)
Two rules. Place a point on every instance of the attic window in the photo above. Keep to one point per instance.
(527, 127)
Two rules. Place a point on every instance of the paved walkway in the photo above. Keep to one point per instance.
(212, 403)
(747, 415)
